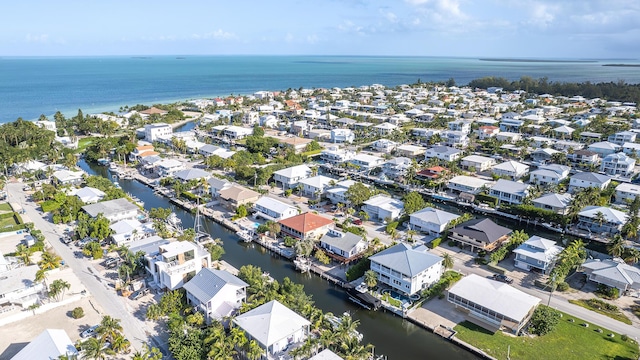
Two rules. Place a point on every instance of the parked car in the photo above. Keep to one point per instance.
(89, 332)
(502, 278)
(66, 239)
(357, 222)
(139, 293)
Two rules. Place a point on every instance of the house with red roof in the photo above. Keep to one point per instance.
(305, 226)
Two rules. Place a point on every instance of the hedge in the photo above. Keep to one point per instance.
(496, 268)
(491, 200)
(50, 205)
(189, 196)
(435, 243)
(358, 270)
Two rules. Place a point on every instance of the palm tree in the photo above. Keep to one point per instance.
(41, 276)
(599, 218)
(410, 234)
(147, 353)
(58, 288)
(120, 344)
(447, 261)
(94, 348)
(109, 328)
(49, 261)
(347, 327)
(632, 256)
(252, 350)
(370, 278)
(24, 254)
(616, 246)
(351, 349)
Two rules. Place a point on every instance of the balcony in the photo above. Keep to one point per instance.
(174, 268)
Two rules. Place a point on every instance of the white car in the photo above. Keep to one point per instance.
(89, 332)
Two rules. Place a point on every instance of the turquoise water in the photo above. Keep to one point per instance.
(33, 86)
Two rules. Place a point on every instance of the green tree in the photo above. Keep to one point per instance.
(358, 193)
(49, 261)
(322, 257)
(95, 348)
(447, 261)
(24, 254)
(147, 353)
(616, 246)
(58, 288)
(544, 320)
(413, 202)
(109, 328)
(370, 278)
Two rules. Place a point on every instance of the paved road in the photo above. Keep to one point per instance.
(106, 297)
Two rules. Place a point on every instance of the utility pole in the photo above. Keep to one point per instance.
(553, 283)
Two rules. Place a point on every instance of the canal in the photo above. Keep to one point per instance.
(391, 335)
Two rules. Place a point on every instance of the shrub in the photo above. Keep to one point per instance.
(608, 292)
(451, 243)
(624, 337)
(358, 269)
(289, 241)
(447, 279)
(544, 320)
(77, 313)
(435, 243)
(288, 192)
(562, 286)
(49, 205)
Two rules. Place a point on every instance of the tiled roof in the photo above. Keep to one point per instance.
(306, 222)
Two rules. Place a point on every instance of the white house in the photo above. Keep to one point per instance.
(114, 210)
(237, 132)
(344, 246)
(50, 344)
(407, 270)
(381, 207)
(549, 174)
(622, 137)
(618, 165)
(18, 285)
(66, 177)
(126, 231)
(613, 273)
(272, 209)
(89, 195)
(537, 253)
(384, 145)
(604, 148)
(396, 167)
(558, 203)
(153, 131)
(216, 293)
(316, 185)
(601, 219)
(509, 191)
(274, 327)
(336, 155)
(342, 136)
(511, 169)
(411, 151)
(468, 184)
(444, 153)
(290, 177)
(175, 263)
(385, 128)
(626, 192)
(585, 180)
(168, 167)
(455, 138)
(430, 220)
(338, 194)
(366, 161)
(477, 162)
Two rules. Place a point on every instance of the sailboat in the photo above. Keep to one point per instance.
(202, 237)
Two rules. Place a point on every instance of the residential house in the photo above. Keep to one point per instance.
(537, 253)
(407, 270)
(384, 145)
(192, 174)
(50, 344)
(290, 177)
(168, 167)
(430, 220)
(365, 161)
(315, 186)
(487, 131)
(127, 231)
(89, 195)
(510, 125)
(558, 203)
(211, 150)
(153, 131)
(66, 177)
(338, 193)
(551, 174)
(274, 327)
(495, 304)
(477, 163)
(305, 226)
(444, 153)
(432, 173)
(236, 195)
(622, 137)
(455, 138)
(114, 210)
(272, 209)
(19, 287)
(563, 132)
(512, 169)
(397, 167)
(543, 155)
(383, 207)
(342, 136)
(216, 293)
(482, 234)
(601, 220)
(618, 165)
(613, 273)
(142, 151)
(175, 263)
(343, 246)
(460, 125)
(216, 185)
(411, 151)
(335, 155)
(236, 132)
(585, 180)
(512, 192)
(631, 148)
(626, 193)
(468, 184)
(584, 158)
(385, 128)
(508, 137)
(604, 148)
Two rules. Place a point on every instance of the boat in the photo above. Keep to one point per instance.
(103, 162)
(336, 321)
(303, 264)
(113, 165)
(245, 235)
(360, 295)
(202, 237)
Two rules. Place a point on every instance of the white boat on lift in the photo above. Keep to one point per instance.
(303, 264)
(245, 235)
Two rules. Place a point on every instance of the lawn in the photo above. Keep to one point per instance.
(83, 143)
(8, 221)
(5, 207)
(604, 308)
(394, 302)
(569, 340)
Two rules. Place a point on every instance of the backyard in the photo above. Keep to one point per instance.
(5, 207)
(569, 340)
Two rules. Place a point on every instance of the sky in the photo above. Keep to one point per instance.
(603, 29)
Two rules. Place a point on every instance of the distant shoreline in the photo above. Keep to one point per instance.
(622, 65)
(538, 60)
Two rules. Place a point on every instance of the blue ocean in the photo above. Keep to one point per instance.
(33, 86)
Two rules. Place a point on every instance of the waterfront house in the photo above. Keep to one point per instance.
(342, 136)
(88, 195)
(298, 144)
(508, 137)
(385, 128)
(127, 231)
(153, 131)
(468, 184)
(613, 273)
(512, 192)
(626, 193)
(315, 186)
(511, 169)
(444, 153)
(542, 156)
(290, 177)
(477, 163)
(215, 185)
(487, 131)
(211, 150)
(481, 234)
(142, 151)
(271, 209)
(585, 180)
(236, 195)
(382, 207)
(384, 145)
(558, 203)
(407, 270)
(335, 155)
(28, 167)
(50, 344)
(168, 167)
(343, 246)
(365, 161)
(305, 226)
(495, 304)
(396, 167)
(216, 293)
(601, 220)
(537, 253)
(430, 220)
(455, 138)
(618, 165)
(176, 263)
(114, 210)
(411, 151)
(18, 286)
(622, 137)
(187, 175)
(604, 148)
(236, 132)
(551, 174)
(432, 173)
(274, 327)
(66, 177)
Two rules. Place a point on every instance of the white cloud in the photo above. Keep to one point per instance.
(216, 35)
(37, 38)
(313, 39)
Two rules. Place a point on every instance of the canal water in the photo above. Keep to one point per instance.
(391, 335)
